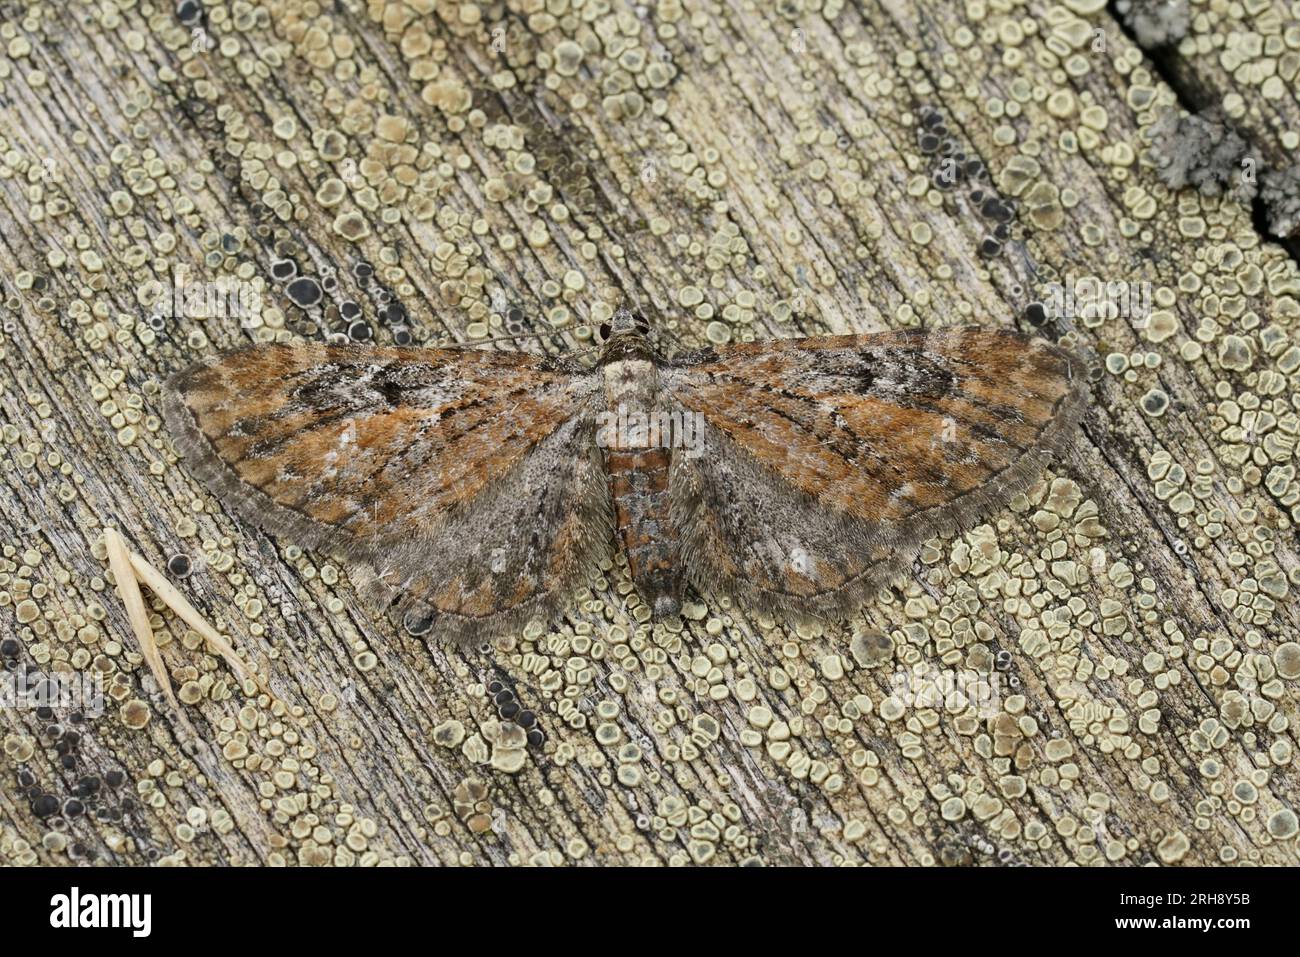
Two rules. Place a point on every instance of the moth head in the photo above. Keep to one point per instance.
(624, 323)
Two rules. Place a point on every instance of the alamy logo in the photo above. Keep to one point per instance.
(75, 910)
(218, 299)
(632, 429)
(1090, 297)
(954, 690)
(23, 689)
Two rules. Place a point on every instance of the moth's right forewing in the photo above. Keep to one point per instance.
(828, 457)
(375, 443)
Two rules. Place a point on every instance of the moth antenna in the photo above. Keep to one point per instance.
(580, 352)
(664, 333)
(514, 338)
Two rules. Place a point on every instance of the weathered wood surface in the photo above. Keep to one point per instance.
(1246, 65)
(1242, 64)
(737, 170)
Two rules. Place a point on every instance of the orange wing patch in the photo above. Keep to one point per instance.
(373, 442)
(885, 426)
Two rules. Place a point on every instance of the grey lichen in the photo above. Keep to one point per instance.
(1202, 151)
(1155, 23)
(1280, 191)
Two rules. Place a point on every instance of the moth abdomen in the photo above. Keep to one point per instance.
(638, 480)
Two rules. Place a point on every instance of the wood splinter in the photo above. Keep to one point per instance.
(129, 570)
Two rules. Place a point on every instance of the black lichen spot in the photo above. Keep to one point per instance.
(1155, 402)
(990, 247)
(417, 623)
(284, 269)
(189, 12)
(10, 647)
(996, 210)
(359, 331)
(45, 805)
(304, 292)
(180, 565)
(350, 310)
(1036, 313)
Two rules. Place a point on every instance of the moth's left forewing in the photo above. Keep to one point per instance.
(466, 479)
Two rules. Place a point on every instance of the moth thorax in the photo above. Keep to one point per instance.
(630, 382)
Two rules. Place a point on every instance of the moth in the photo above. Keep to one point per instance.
(483, 487)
